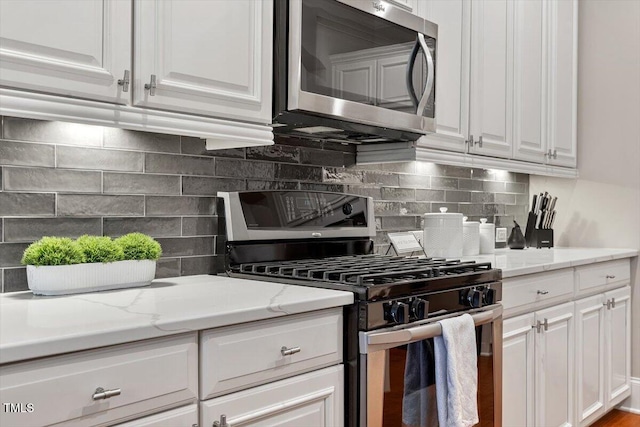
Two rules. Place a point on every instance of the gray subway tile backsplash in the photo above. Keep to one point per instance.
(26, 154)
(153, 226)
(26, 204)
(99, 159)
(179, 205)
(137, 183)
(182, 165)
(30, 229)
(99, 205)
(41, 179)
(112, 182)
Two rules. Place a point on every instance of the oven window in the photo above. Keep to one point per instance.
(301, 209)
(356, 56)
(407, 394)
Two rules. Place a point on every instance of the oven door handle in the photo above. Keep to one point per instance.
(375, 341)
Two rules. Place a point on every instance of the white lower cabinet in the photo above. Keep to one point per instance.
(568, 360)
(314, 399)
(104, 386)
(554, 366)
(186, 416)
(603, 335)
(538, 368)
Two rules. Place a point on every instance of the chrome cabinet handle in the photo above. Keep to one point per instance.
(101, 394)
(610, 276)
(613, 303)
(289, 351)
(151, 86)
(542, 292)
(479, 141)
(555, 153)
(608, 304)
(124, 81)
(542, 325)
(222, 422)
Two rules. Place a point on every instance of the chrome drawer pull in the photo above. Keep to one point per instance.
(222, 422)
(101, 393)
(542, 292)
(289, 351)
(613, 303)
(610, 276)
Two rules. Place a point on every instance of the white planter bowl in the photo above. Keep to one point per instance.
(78, 278)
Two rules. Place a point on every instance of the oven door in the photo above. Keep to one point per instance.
(362, 61)
(383, 358)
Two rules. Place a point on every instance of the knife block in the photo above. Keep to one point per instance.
(541, 238)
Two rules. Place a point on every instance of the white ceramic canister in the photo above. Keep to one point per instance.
(442, 236)
(487, 237)
(470, 237)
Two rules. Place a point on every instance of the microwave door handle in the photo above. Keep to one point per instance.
(430, 75)
(384, 340)
(410, 66)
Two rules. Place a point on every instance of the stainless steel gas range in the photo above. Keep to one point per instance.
(325, 240)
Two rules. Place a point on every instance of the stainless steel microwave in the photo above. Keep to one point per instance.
(353, 71)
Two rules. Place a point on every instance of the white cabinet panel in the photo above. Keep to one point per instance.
(77, 48)
(618, 333)
(492, 77)
(149, 375)
(530, 81)
(517, 371)
(210, 58)
(314, 400)
(186, 416)
(563, 82)
(228, 355)
(356, 80)
(452, 72)
(590, 359)
(554, 355)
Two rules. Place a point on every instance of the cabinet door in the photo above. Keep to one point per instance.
(618, 333)
(491, 116)
(77, 48)
(517, 371)
(314, 399)
(530, 80)
(563, 82)
(452, 71)
(207, 57)
(590, 359)
(554, 364)
(356, 80)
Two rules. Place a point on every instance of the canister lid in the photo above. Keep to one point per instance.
(485, 224)
(443, 214)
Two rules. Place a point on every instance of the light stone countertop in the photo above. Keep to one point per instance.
(36, 326)
(530, 260)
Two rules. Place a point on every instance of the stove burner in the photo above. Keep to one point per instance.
(364, 270)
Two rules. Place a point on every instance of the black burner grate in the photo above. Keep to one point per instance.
(363, 270)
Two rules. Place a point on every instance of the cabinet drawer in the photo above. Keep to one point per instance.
(150, 375)
(244, 355)
(603, 274)
(185, 416)
(312, 399)
(535, 290)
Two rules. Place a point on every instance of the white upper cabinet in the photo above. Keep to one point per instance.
(491, 116)
(212, 58)
(563, 82)
(72, 48)
(530, 81)
(452, 70)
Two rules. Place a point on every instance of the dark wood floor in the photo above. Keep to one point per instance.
(617, 418)
(393, 399)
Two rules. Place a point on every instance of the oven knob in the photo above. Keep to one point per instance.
(418, 308)
(474, 298)
(397, 312)
(489, 296)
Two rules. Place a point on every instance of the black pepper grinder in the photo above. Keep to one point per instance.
(516, 238)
